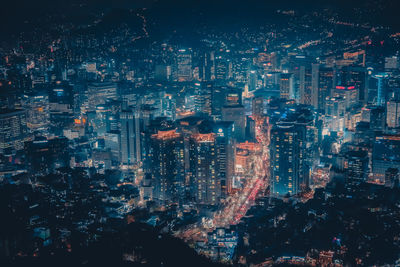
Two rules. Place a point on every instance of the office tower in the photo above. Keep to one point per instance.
(206, 188)
(37, 109)
(324, 85)
(285, 158)
(99, 119)
(203, 97)
(315, 85)
(168, 105)
(184, 65)
(392, 63)
(252, 80)
(292, 148)
(61, 101)
(236, 114)
(13, 130)
(349, 76)
(335, 111)
(207, 66)
(257, 106)
(130, 137)
(46, 155)
(225, 157)
(7, 95)
(392, 177)
(167, 166)
(348, 93)
(162, 72)
(250, 129)
(381, 79)
(305, 85)
(385, 155)
(112, 143)
(99, 93)
(356, 166)
(221, 68)
(286, 86)
(377, 118)
(218, 99)
(393, 113)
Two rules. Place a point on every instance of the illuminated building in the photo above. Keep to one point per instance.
(222, 244)
(61, 101)
(285, 159)
(377, 118)
(286, 86)
(322, 85)
(130, 137)
(168, 106)
(386, 154)
(221, 68)
(46, 155)
(356, 166)
(252, 80)
(207, 66)
(393, 113)
(236, 113)
(112, 143)
(348, 93)
(13, 130)
(184, 65)
(246, 153)
(167, 166)
(206, 187)
(305, 85)
(335, 110)
(293, 140)
(225, 157)
(99, 93)
(392, 63)
(162, 72)
(203, 97)
(381, 88)
(258, 106)
(38, 114)
(392, 177)
(354, 76)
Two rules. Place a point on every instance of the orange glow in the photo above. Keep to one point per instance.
(249, 146)
(166, 135)
(210, 137)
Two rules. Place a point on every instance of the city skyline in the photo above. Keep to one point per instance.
(204, 133)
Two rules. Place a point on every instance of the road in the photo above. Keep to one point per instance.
(236, 205)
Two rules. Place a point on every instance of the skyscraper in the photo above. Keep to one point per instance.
(356, 166)
(305, 85)
(224, 155)
(286, 86)
(184, 65)
(203, 97)
(167, 160)
(386, 154)
(393, 113)
(236, 113)
(206, 187)
(129, 136)
(381, 88)
(285, 159)
(292, 146)
(99, 93)
(13, 130)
